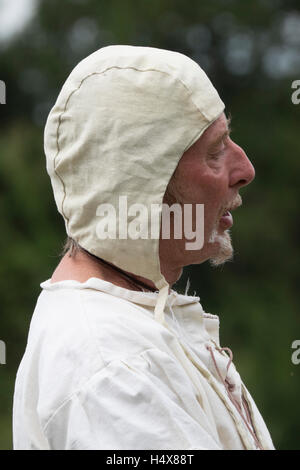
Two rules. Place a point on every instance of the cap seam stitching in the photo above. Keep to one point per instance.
(76, 89)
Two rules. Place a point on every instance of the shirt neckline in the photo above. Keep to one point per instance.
(144, 298)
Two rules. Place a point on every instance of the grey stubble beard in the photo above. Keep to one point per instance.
(225, 251)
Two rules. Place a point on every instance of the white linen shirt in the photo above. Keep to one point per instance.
(100, 373)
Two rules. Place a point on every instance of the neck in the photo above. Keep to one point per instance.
(139, 281)
(81, 266)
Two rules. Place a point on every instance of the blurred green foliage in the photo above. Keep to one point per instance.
(251, 52)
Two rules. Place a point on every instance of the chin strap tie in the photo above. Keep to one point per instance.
(163, 293)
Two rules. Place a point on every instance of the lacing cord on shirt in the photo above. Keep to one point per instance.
(227, 384)
(229, 388)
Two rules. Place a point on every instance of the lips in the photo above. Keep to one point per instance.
(226, 221)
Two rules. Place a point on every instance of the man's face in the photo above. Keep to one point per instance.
(211, 172)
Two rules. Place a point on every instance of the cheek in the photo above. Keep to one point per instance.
(212, 191)
(204, 187)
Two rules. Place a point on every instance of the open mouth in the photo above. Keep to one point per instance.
(226, 220)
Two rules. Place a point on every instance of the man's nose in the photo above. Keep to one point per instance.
(242, 172)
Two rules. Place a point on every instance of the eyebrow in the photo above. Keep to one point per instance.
(223, 136)
(229, 124)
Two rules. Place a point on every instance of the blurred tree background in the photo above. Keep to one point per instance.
(250, 50)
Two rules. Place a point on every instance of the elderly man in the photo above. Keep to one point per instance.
(115, 358)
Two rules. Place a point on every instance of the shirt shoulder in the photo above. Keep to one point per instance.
(90, 326)
(76, 333)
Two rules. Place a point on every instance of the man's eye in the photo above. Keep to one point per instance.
(218, 152)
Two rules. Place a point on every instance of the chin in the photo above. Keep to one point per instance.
(222, 249)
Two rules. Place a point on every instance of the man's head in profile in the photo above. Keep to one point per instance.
(146, 125)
